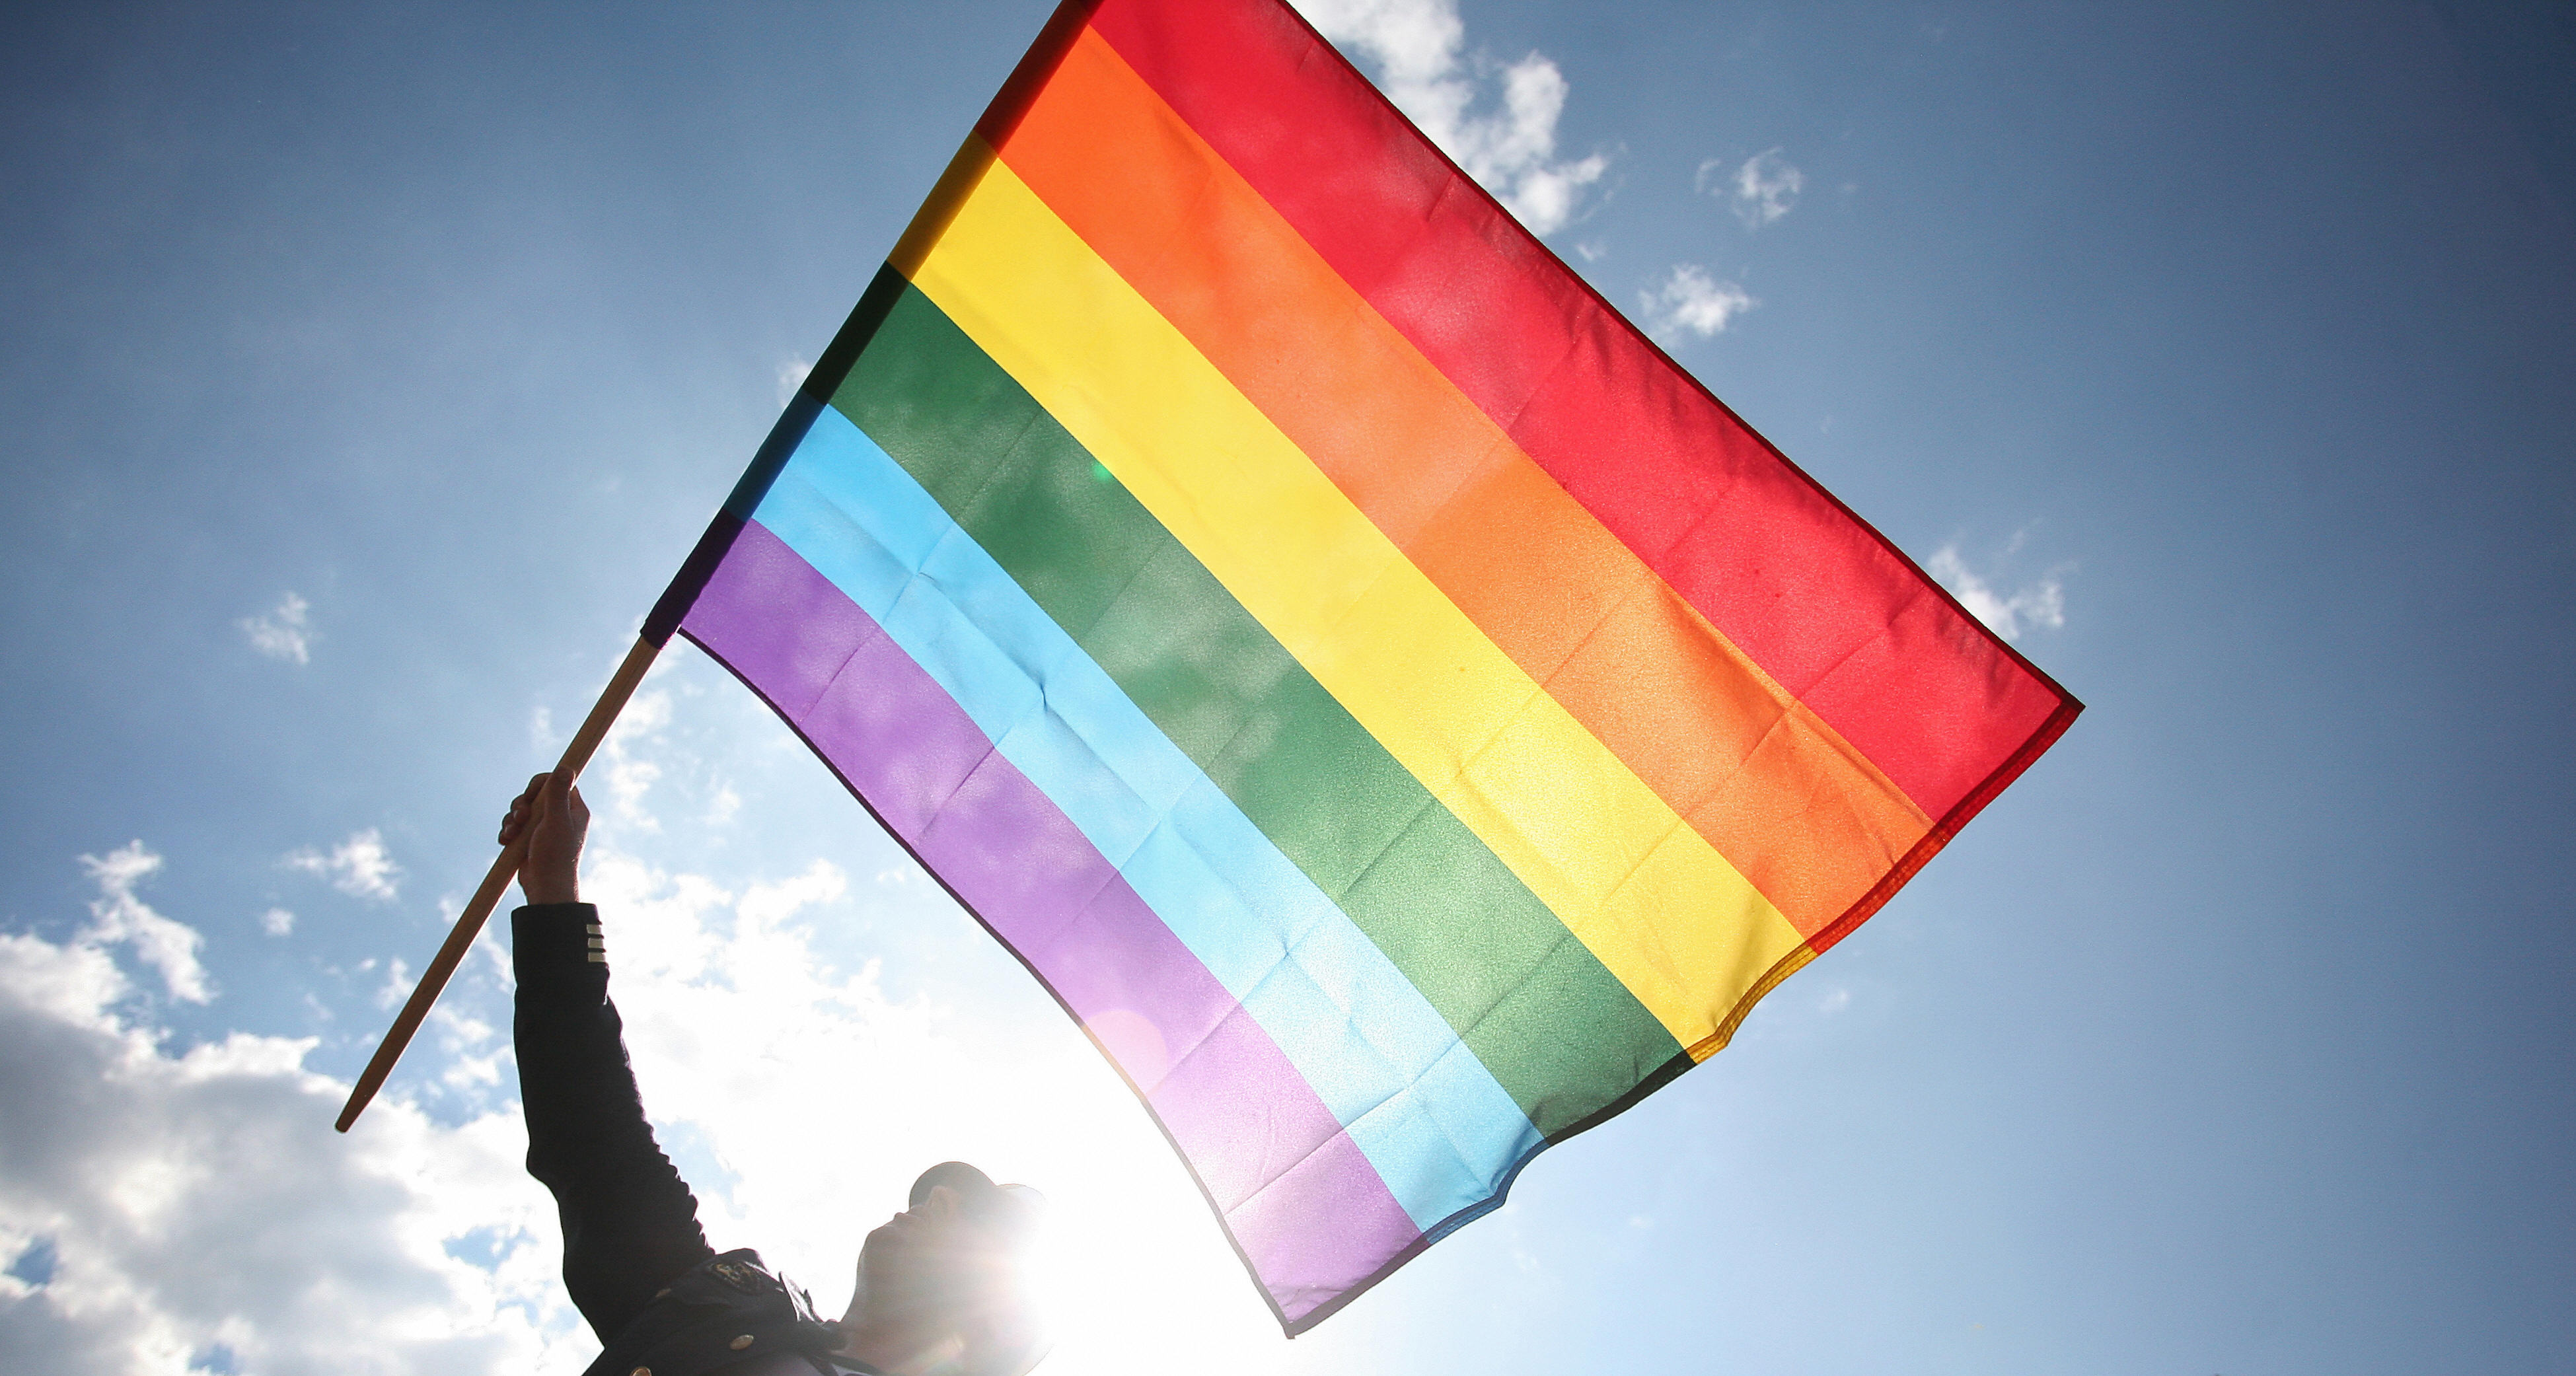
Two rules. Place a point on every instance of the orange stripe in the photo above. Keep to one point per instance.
(1801, 813)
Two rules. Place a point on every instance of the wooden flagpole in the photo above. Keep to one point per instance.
(594, 729)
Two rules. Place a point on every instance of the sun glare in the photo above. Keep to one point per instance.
(1131, 1268)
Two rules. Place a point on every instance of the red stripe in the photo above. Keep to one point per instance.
(1820, 600)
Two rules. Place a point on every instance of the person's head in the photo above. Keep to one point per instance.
(943, 1286)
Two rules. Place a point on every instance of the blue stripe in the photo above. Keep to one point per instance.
(1426, 1112)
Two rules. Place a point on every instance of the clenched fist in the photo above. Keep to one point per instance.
(553, 817)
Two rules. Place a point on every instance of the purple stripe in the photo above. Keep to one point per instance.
(1228, 1097)
(1326, 1222)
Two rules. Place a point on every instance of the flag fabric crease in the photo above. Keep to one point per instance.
(1399, 713)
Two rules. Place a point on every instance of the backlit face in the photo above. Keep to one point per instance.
(943, 1280)
(918, 1266)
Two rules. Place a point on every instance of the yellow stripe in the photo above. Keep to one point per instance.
(1668, 915)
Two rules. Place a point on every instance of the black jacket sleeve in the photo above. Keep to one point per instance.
(630, 1224)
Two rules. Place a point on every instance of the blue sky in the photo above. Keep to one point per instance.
(364, 372)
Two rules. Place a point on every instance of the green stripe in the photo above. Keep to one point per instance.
(1560, 1033)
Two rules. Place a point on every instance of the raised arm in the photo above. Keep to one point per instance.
(630, 1224)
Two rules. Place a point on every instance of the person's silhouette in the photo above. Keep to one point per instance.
(940, 1288)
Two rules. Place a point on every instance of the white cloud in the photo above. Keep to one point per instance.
(1763, 189)
(2042, 603)
(277, 922)
(791, 375)
(397, 986)
(631, 769)
(198, 1205)
(284, 633)
(360, 866)
(116, 915)
(1691, 301)
(1419, 48)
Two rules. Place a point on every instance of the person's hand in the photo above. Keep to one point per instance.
(553, 817)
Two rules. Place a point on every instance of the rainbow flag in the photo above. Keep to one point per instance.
(1401, 715)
